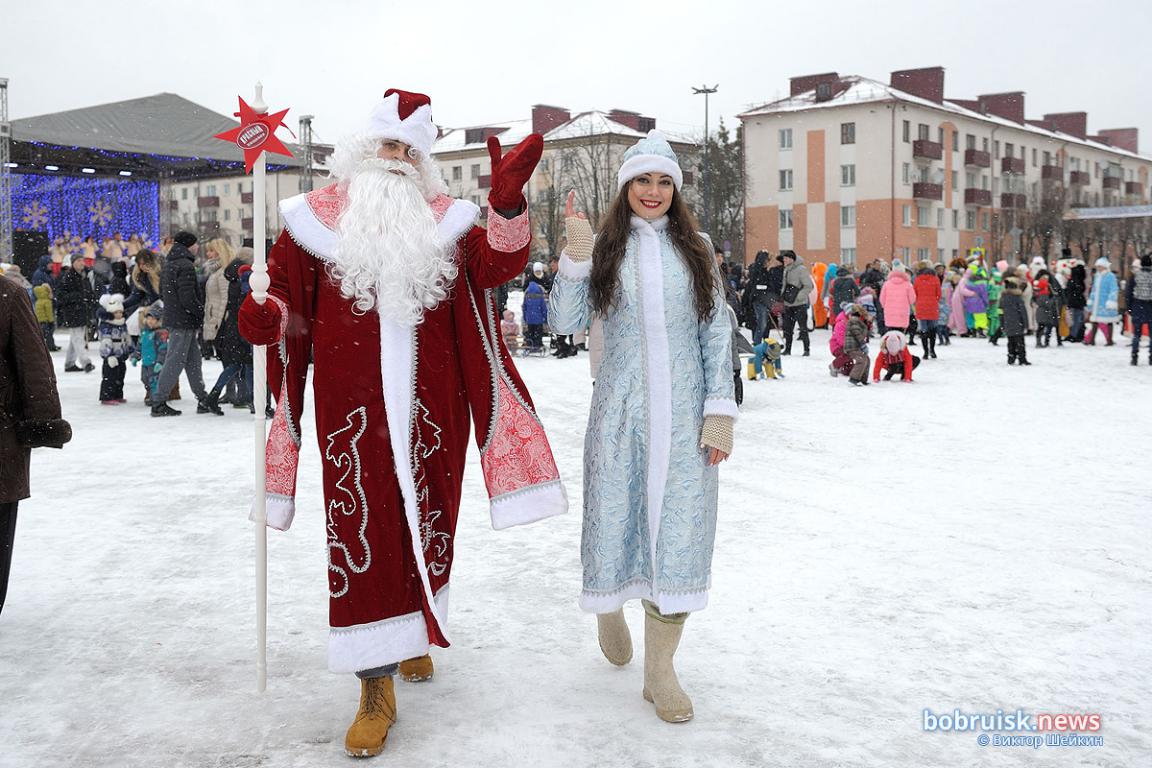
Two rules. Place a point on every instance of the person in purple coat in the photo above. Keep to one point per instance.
(975, 300)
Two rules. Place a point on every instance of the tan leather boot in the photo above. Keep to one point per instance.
(418, 669)
(615, 639)
(661, 638)
(369, 731)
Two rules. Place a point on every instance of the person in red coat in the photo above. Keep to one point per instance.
(895, 357)
(927, 287)
(385, 282)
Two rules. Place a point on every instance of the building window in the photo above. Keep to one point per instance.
(955, 219)
(1034, 157)
(1075, 161)
(848, 175)
(985, 222)
(457, 173)
(922, 131)
(211, 190)
(955, 179)
(906, 215)
(848, 256)
(848, 216)
(996, 149)
(955, 140)
(1097, 174)
(984, 144)
(905, 170)
(983, 181)
(227, 191)
(544, 164)
(905, 254)
(184, 193)
(969, 180)
(785, 218)
(227, 214)
(785, 138)
(939, 218)
(940, 137)
(1047, 157)
(847, 133)
(475, 170)
(907, 131)
(940, 255)
(922, 254)
(922, 216)
(786, 180)
(970, 220)
(969, 141)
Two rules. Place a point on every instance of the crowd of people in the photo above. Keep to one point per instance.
(162, 311)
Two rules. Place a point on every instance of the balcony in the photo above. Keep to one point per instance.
(979, 197)
(924, 191)
(1079, 178)
(247, 224)
(1012, 165)
(1016, 201)
(208, 202)
(975, 158)
(922, 149)
(173, 205)
(1133, 188)
(1052, 172)
(484, 182)
(246, 198)
(1112, 182)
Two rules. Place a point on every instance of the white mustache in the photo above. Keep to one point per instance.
(398, 167)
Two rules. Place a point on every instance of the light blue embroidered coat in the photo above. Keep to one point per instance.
(649, 494)
(1103, 301)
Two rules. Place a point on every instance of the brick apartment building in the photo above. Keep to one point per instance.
(848, 169)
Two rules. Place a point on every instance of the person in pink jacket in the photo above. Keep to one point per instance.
(897, 297)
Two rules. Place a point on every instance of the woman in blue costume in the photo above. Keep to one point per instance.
(662, 412)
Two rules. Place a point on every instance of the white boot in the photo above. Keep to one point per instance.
(661, 638)
(615, 639)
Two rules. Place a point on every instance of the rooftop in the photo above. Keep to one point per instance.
(591, 123)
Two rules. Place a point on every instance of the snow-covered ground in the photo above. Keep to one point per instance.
(977, 540)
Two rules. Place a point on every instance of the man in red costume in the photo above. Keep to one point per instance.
(385, 282)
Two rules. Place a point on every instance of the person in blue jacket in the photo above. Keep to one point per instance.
(535, 310)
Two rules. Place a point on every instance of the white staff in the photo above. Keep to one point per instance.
(259, 281)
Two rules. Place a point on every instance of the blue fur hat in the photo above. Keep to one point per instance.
(652, 154)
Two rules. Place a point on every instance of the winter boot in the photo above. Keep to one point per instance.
(615, 640)
(932, 346)
(661, 638)
(209, 404)
(163, 409)
(369, 731)
(417, 670)
(924, 345)
(1135, 357)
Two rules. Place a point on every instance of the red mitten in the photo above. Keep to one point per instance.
(259, 323)
(511, 173)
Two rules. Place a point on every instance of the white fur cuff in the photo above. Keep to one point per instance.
(721, 408)
(574, 270)
(279, 511)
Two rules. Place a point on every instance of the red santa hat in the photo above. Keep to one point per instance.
(404, 116)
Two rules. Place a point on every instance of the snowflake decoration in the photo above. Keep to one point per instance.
(35, 215)
(101, 213)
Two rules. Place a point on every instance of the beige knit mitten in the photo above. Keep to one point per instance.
(717, 433)
(580, 238)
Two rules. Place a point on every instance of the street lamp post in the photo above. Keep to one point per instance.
(706, 91)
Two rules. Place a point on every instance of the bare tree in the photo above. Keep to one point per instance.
(587, 166)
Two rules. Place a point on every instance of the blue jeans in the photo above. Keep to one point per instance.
(243, 371)
(761, 313)
(1075, 323)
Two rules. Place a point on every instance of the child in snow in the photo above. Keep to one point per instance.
(856, 335)
(535, 312)
(767, 351)
(841, 363)
(944, 323)
(1015, 320)
(153, 349)
(45, 313)
(1045, 297)
(895, 357)
(510, 332)
(115, 348)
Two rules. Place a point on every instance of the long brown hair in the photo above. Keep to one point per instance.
(608, 253)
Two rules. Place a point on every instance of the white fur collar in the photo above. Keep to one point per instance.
(310, 219)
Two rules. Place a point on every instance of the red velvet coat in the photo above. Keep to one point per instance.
(393, 406)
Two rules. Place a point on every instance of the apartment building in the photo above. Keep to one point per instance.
(849, 169)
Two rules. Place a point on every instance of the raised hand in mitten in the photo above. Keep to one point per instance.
(511, 172)
(577, 231)
(113, 361)
(259, 323)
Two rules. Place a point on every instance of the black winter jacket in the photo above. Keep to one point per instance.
(1015, 318)
(1074, 292)
(183, 294)
(75, 300)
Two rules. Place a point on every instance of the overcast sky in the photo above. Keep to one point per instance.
(487, 62)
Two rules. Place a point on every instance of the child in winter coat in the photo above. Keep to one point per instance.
(894, 357)
(944, 322)
(1015, 320)
(1045, 297)
(153, 349)
(510, 332)
(45, 313)
(115, 348)
(856, 343)
(995, 289)
(841, 363)
(535, 314)
(766, 362)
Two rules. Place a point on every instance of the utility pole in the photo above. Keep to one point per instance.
(306, 144)
(706, 91)
(6, 249)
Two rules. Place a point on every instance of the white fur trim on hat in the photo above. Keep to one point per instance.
(1103, 261)
(652, 154)
(417, 131)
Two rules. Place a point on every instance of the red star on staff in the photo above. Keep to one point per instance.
(256, 133)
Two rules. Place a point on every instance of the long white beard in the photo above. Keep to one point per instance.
(388, 253)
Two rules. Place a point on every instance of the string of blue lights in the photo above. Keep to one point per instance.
(97, 206)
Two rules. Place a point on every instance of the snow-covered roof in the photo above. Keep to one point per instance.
(862, 90)
(591, 123)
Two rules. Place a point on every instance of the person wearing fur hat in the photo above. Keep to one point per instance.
(1139, 301)
(384, 281)
(856, 334)
(894, 357)
(650, 501)
(1103, 302)
(1015, 320)
(115, 348)
(897, 297)
(927, 289)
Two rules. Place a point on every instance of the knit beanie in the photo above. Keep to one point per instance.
(652, 154)
(186, 239)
